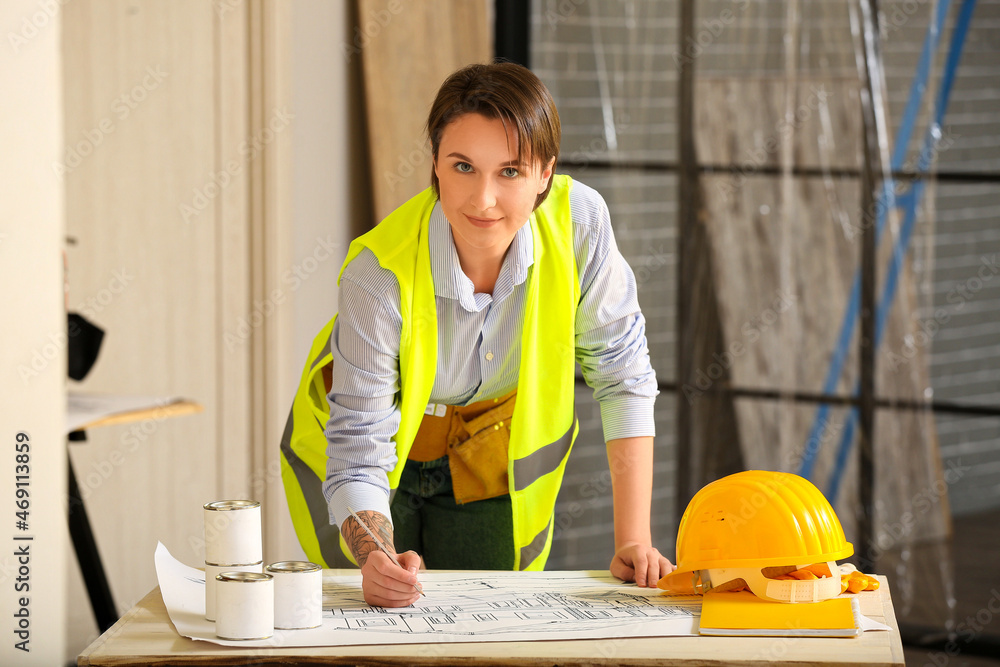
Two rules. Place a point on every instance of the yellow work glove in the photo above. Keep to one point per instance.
(850, 579)
(854, 582)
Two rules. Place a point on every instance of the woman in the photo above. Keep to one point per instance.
(461, 316)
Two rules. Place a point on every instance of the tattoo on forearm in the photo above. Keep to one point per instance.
(360, 542)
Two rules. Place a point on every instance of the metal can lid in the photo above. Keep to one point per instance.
(293, 566)
(246, 577)
(226, 505)
(259, 563)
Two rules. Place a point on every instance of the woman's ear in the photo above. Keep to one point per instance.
(546, 175)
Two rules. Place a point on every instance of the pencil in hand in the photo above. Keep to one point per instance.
(382, 546)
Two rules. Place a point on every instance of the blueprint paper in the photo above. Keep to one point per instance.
(458, 607)
(865, 623)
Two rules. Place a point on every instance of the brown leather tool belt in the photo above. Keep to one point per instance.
(475, 438)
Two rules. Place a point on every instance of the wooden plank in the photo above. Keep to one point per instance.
(177, 408)
(407, 50)
(146, 637)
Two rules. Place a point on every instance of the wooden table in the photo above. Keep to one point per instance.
(145, 636)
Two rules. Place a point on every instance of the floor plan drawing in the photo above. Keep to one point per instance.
(525, 603)
(458, 607)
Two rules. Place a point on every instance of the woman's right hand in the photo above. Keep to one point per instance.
(386, 585)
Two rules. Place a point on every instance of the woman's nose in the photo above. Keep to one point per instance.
(484, 196)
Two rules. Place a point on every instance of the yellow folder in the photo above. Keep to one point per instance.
(745, 614)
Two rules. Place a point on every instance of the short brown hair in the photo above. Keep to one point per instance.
(503, 90)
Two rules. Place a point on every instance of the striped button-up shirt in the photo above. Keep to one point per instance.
(479, 347)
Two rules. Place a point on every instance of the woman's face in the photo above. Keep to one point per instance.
(485, 194)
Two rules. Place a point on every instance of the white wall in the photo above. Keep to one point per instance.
(331, 192)
(33, 339)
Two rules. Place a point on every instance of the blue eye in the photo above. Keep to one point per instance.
(510, 172)
(463, 167)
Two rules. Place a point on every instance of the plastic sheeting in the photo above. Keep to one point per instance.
(778, 128)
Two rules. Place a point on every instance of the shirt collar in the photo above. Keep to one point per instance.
(452, 283)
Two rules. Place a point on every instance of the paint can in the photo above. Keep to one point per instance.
(211, 572)
(244, 605)
(232, 532)
(298, 594)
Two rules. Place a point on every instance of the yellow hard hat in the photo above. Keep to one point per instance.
(756, 519)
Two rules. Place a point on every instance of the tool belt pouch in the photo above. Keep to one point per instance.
(477, 453)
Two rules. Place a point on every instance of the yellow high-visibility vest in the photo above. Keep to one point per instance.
(544, 424)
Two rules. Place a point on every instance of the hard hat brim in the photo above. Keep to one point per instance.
(679, 582)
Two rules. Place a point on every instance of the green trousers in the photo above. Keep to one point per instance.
(426, 519)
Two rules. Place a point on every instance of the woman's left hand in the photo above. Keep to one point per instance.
(640, 563)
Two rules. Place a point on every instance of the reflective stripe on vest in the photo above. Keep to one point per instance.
(303, 461)
(543, 460)
(544, 424)
(327, 535)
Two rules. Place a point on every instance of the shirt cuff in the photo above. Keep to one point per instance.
(628, 417)
(360, 497)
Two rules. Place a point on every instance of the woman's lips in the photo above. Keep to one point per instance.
(482, 222)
